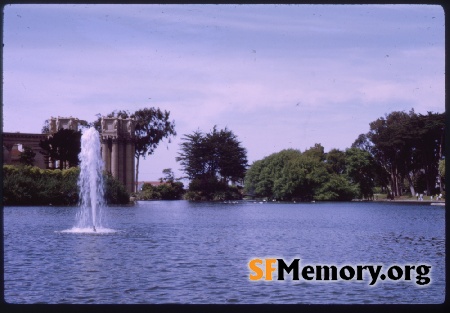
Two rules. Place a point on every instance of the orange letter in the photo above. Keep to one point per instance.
(269, 268)
(258, 272)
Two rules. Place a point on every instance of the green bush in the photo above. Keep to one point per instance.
(115, 192)
(209, 188)
(30, 185)
(167, 191)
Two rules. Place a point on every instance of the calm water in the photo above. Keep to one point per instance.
(183, 252)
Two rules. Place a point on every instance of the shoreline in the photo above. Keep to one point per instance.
(131, 204)
(408, 201)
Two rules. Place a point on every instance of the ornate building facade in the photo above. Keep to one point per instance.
(116, 136)
(118, 149)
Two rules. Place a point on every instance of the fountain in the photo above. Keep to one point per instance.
(90, 183)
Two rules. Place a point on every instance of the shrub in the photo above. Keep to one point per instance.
(115, 192)
(30, 185)
(167, 191)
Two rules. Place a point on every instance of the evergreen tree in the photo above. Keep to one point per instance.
(27, 156)
(212, 160)
(64, 145)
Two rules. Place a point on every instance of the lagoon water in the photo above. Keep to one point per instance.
(185, 252)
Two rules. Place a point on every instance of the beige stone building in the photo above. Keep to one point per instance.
(118, 149)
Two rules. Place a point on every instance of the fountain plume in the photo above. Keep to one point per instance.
(90, 182)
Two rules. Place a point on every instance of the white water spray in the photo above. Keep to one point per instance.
(90, 182)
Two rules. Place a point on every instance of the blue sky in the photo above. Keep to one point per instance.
(278, 76)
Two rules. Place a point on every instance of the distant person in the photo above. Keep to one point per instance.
(417, 195)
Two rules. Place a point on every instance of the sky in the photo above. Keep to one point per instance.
(278, 76)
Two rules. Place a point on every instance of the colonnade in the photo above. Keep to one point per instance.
(118, 150)
(117, 139)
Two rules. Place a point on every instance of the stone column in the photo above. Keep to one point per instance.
(115, 158)
(105, 154)
(121, 160)
(8, 151)
(130, 166)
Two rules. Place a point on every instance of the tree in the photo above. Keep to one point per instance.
(335, 161)
(27, 156)
(212, 160)
(46, 127)
(362, 171)
(442, 168)
(64, 145)
(194, 155)
(169, 189)
(169, 176)
(292, 175)
(266, 178)
(231, 157)
(152, 125)
(301, 177)
(408, 146)
(316, 152)
(336, 188)
(115, 192)
(429, 146)
(391, 137)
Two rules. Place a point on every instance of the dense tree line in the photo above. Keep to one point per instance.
(408, 148)
(212, 161)
(401, 152)
(312, 175)
(29, 185)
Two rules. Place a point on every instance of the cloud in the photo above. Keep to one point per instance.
(278, 76)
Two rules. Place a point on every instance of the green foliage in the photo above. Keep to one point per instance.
(292, 175)
(260, 178)
(169, 189)
(442, 168)
(362, 171)
(30, 185)
(205, 189)
(216, 154)
(336, 188)
(64, 145)
(336, 161)
(27, 156)
(166, 191)
(405, 145)
(168, 175)
(115, 192)
(152, 126)
(212, 161)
